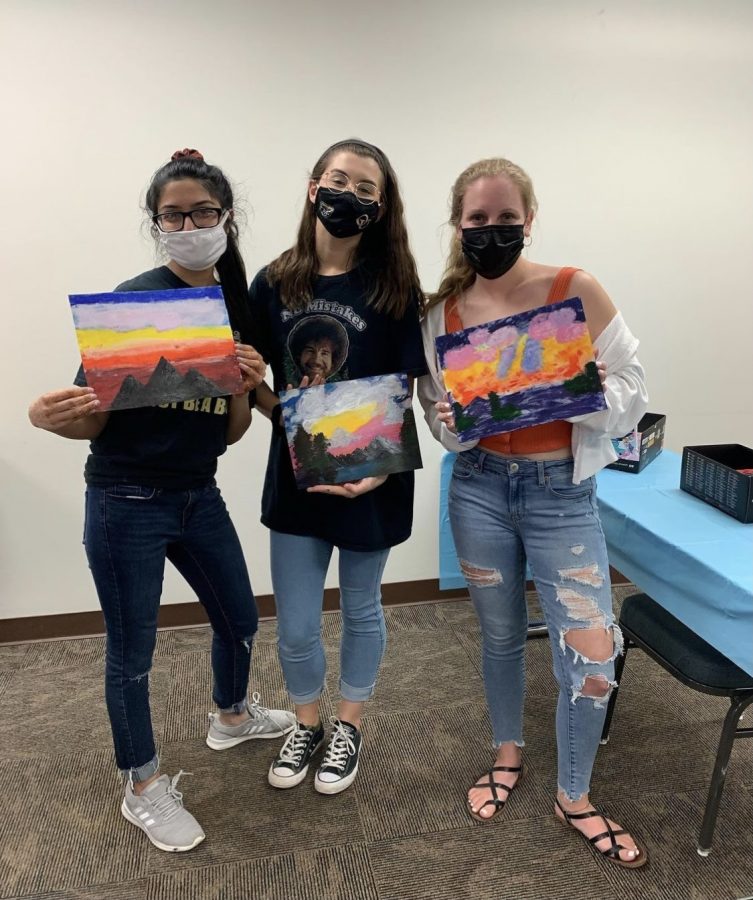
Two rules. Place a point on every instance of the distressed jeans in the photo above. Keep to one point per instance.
(129, 532)
(299, 569)
(504, 512)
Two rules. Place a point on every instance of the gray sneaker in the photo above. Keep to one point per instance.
(263, 723)
(159, 812)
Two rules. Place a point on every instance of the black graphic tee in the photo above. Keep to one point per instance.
(339, 337)
(174, 445)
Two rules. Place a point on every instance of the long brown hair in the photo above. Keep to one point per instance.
(384, 246)
(458, 274)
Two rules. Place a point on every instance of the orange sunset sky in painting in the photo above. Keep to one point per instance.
(516, 354)
(125, 334)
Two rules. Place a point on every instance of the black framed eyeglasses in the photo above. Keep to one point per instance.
(204, 217)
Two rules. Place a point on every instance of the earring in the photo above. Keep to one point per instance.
(529, 239)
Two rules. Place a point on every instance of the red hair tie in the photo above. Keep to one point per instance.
(187, 153)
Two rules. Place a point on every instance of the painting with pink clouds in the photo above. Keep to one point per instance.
(528, 369)
(347, 430)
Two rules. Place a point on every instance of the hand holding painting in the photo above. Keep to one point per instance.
(58, 409)
(307, 382)
(252, 366)
(351, 489)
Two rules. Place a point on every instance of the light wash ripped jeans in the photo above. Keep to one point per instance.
(502, 512)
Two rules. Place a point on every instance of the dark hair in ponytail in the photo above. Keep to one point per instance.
(190, 164)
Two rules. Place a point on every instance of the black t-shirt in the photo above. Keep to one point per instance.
(174, 445)
(340, 337)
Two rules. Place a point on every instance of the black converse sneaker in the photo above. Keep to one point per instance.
(340, 764)
(292, 762)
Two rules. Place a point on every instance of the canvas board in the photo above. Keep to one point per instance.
(144, 348)
(524, 370)
(347, 430)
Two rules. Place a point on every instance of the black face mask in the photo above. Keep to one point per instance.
(342, 213)
(492, 250)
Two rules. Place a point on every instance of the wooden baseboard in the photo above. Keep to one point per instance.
(180, 615)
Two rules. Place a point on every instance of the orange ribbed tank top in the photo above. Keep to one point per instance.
(537, 438)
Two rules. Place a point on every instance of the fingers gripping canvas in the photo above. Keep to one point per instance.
(525, 370)
(143, 348)
(343, 431)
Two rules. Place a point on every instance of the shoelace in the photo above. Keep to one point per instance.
(341, 746)
(171, 802)
(256, 710)
(295, 744)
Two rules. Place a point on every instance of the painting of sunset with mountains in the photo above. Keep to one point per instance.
(347, 430)
(143, 348)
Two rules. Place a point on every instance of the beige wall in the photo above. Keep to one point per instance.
(632, 117)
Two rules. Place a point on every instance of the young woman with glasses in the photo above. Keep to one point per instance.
(530, 494)
(342, 303)
(151, 496)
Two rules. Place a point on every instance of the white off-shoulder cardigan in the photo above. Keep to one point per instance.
(624, 391)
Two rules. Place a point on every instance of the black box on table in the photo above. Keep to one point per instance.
(722, 475)
(639, 447)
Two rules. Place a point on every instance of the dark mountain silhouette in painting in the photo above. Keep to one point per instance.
(165, 384)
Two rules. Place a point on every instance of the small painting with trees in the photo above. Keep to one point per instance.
(343, 431)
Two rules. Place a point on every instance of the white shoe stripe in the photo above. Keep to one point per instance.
(149, 822)
(144, 815)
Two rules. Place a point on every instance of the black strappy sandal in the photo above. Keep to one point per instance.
(612, 853)
(488, 783)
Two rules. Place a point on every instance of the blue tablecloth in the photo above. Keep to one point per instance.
(691, 558)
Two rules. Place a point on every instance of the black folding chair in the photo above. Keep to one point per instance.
(697, 664)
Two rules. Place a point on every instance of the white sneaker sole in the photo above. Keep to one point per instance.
(166, 847)
(286, 781)
(289, 781)
(226, 743)
(335, 787)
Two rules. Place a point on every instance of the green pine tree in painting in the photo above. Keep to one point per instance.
(462, 421)
(588, 382)
(409, 436)
(501, 412)
(301, 447)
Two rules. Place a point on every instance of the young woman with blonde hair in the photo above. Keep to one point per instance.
(530, 495)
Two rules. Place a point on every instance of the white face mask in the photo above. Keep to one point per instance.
(197, 249)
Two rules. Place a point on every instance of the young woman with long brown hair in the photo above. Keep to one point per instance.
(342, 303)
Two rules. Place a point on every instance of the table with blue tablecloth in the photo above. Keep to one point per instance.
(694, 560)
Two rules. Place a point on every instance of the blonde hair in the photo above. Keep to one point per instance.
(458, 275)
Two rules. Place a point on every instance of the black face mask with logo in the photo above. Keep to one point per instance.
(342, 213)
(492, 250)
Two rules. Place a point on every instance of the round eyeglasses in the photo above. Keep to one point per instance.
(337, 181)
(204, 217)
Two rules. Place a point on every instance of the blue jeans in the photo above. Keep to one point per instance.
(502, 512)
(299, 568)
(129, 532)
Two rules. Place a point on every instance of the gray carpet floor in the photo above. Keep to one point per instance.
(401, 832)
